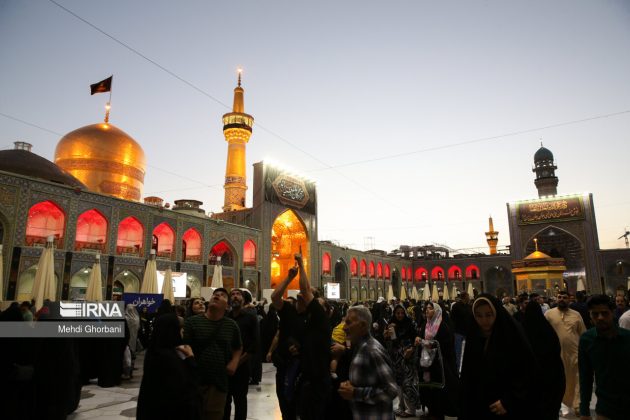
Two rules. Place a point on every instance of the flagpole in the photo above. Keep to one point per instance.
(109, 103)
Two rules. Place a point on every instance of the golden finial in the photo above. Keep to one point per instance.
(107, 108)
(536, 243)
(240, 71)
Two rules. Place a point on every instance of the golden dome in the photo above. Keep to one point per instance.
(537, 255)
(105, 158)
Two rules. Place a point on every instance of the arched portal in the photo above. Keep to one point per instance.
(396, 282)
(191, 246)
(225, 252)
(130, 237)
(164, 240)
(249, 254)
(129, 282)
(288, 237)
(45, 219)
(25, 284)
(91, 231)
(341, 277)
(558, 243)
(79, 284)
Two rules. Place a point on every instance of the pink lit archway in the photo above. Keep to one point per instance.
(354, 267)
(421, 274)
(379, 270)
(91, 231)
(45, 219)
(249, 253)
(326, 263)
(454, 273)
(363, 268)
(372, 269)
(387, 271)
(437, 273)
(165, 236)
(472, 272)
(191, 245)
(130, 237)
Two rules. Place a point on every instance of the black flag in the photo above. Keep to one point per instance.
(102, 86)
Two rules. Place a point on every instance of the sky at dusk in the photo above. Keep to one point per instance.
(416, 119)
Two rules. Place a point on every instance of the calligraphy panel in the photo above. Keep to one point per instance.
(546, 211)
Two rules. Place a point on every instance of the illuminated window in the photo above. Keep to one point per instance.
(326, 263)
(249, 253)
(354, 267)
(387, 271)
(372, 269)
(437, 273)
(409, 274)
(130, 237)
(379, 270)
(454, 273)
(363, 268)
(403, 273)
(91, 231)
(191, 245)
(164, 236)
(421, 273)
(472, 272)
(45, 219)
(223, 250)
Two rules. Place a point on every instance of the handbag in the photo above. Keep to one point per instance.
(427, 356)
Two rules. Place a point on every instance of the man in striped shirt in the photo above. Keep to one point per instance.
(372, 387)
(216, 343)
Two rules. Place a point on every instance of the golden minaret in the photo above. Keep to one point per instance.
(237, 129)
(492, 237)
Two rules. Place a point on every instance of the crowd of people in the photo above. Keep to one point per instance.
(476, 357)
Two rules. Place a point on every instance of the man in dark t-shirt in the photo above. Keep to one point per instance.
(305, 336)
(216, 343)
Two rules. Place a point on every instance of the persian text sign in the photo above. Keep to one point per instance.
(544, 211)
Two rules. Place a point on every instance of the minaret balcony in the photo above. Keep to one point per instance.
(238, 120)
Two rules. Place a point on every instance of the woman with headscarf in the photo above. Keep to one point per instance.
(439, 401)
(546, 347)
(399, 336)
(194, 307)
(170, 381)
(499, 370)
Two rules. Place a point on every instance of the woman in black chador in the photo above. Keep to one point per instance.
(399, 340)
(499, 370)
(546, 346)
(170, 381)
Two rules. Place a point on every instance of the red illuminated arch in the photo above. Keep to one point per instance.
(363, 268)
(472, 272)
(387, 271)
(403, 273)
(91, 231)
(437, 273)
(249, 253)
(224, 250)
(45, 219)
(191, 245)
(164, 240)
(354, 267)
(130, 237)
(326, 263)
(379, 270)
(421, 274)
(409, 277)
(454, 273)
(372, 269)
